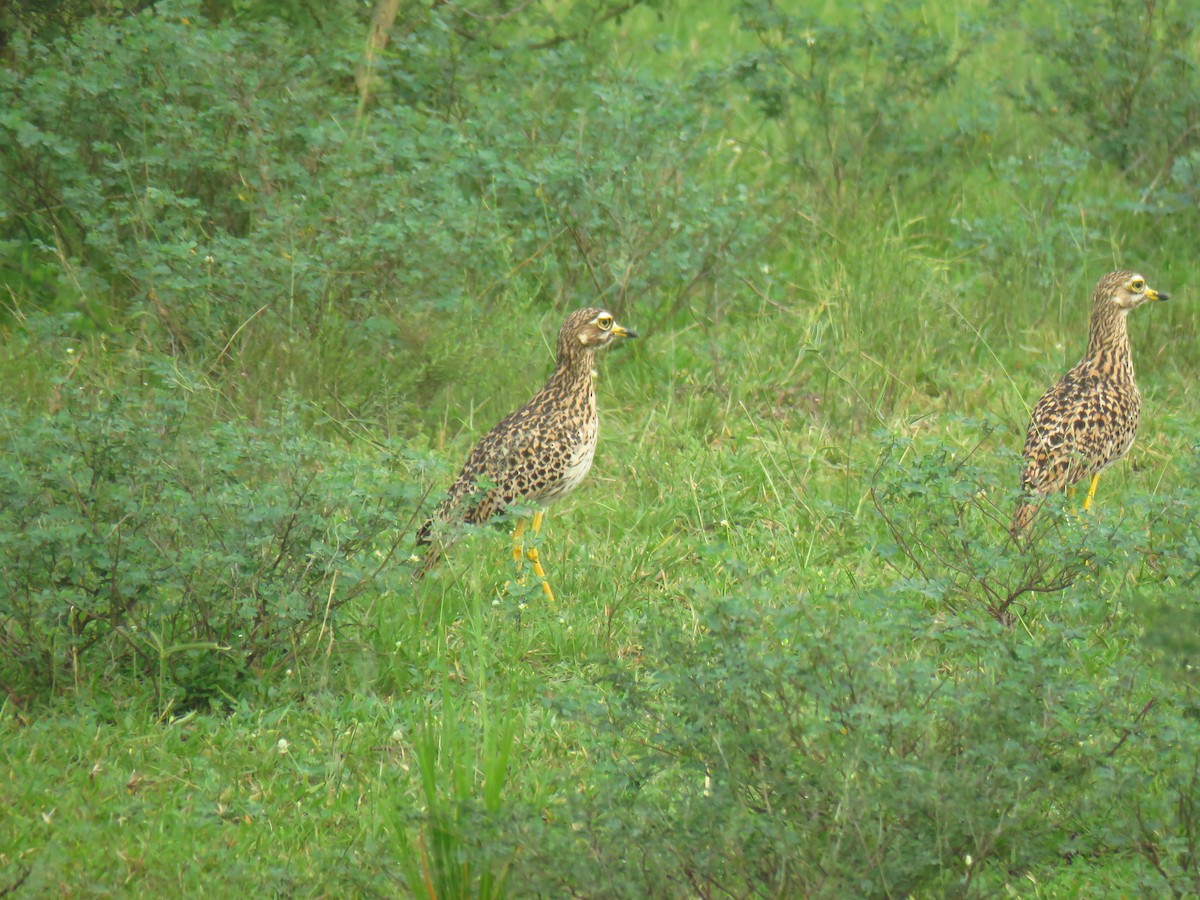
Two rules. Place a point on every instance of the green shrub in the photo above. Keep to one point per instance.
(1122, 80)
(948, 515)
(854, 93)
(133, 541)
(836, 745)
(1049, 221)
(906, 739)
(201, 202)
(949, 520)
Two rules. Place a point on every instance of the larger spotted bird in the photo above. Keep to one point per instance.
(1087, 421)
(535, 456)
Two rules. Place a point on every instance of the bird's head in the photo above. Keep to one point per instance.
(1124, 290)
(592, 329)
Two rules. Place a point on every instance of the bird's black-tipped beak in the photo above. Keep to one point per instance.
(1152, 294)
(622, 331)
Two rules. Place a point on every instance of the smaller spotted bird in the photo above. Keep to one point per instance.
(535, 456)
(1089, 419)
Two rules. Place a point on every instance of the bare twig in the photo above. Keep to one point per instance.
(12, 888)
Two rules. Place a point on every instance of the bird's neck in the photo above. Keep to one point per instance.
(574, 368)
(1108, 344)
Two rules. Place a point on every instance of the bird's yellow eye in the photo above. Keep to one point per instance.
(604, 322)
(1137, 285)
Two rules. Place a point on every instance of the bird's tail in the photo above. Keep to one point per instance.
(431, 558)
(432, 540)
(431, 553)
(1022, 519)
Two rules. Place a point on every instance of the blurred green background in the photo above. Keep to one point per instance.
(264, 279)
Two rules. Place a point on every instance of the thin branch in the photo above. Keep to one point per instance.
(613, 13)
(1126, 732)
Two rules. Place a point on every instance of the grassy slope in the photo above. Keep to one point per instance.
(744, 443)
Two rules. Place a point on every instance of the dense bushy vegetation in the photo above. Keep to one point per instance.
(261, 287)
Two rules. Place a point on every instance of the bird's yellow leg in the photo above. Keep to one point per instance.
(518, 542)
(532, 555)
(1087, 504)
(519, 549)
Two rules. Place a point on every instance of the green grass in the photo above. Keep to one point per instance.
(771, 667)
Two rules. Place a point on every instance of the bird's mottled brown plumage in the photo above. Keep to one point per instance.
(542, 451)
(1089, 419)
